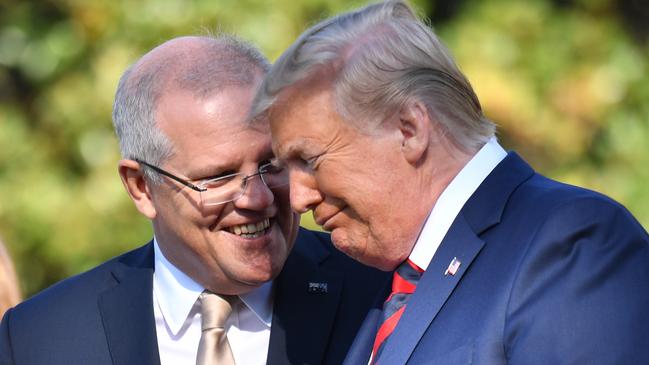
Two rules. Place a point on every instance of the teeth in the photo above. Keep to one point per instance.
(251, 229)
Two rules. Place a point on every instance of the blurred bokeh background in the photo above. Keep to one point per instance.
(566, 81)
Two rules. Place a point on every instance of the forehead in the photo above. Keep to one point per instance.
(303, 115)
(212, 129)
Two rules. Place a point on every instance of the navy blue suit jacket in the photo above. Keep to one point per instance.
(550, 274)
(105, 316)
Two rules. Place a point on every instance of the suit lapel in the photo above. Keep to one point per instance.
(482, 211)
(433, 290)
(306, 302)
(127, 311)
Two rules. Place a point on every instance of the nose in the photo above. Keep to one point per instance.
(305, 195)
(256, 195)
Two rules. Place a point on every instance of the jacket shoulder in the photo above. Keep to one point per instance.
(72, 293)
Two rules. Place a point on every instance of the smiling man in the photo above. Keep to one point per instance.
(385, 141)
(224, 237)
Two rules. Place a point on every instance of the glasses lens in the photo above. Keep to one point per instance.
(274, 176)
(230, 188)
(222, 190)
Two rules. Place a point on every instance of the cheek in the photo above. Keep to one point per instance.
(336, 180)
(285, 214)
(292, 230)
(363, 193)
(210, 212)
(281, 196)
(196, 229)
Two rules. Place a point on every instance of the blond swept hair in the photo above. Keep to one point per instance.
(380, 58)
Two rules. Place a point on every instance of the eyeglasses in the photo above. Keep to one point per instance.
(224, 189)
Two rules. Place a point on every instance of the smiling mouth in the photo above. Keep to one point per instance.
(251, 230)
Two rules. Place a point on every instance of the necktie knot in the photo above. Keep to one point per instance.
(215, 309)
(214, 348)
(405, 278)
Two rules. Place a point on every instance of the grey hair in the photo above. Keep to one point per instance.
(382, 57)
(202, 65)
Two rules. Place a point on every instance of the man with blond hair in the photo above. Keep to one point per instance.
(386, 143)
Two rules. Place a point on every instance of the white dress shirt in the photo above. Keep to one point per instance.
(178, 318)
(452, 199)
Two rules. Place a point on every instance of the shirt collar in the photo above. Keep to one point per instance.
(452, 199)
(177, 293)
(260, 302)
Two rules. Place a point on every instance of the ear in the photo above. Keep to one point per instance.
(136, 186)
(415, 127)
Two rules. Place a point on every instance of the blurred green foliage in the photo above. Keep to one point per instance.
(567, 82)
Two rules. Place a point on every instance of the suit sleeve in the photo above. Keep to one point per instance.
(582, 291)
(6, 352)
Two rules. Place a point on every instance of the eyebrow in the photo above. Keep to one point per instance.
(294, 148)
(231, 166)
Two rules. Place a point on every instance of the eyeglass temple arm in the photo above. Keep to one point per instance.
(171, 176)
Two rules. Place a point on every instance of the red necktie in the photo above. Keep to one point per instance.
(404, 283)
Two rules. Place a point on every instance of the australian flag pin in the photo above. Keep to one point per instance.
(453, 267)
(317, 288)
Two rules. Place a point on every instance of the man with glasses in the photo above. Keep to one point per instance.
(219, 282)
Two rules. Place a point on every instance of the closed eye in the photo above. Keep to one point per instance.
(312, 162)
(214, 174)
(219, 180)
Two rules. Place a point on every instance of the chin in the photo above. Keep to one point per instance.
(363, 253)
(349, 248)
(259, 274)
(256, 281)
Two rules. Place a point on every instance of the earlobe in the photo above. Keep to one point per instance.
(137, 187)
(415, 127)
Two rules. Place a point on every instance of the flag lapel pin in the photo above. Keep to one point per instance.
(318, 288)
(453, 267)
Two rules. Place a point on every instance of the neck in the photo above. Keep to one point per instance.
(441, 165)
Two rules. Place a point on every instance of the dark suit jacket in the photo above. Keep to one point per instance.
(550, 274)
(105, 316)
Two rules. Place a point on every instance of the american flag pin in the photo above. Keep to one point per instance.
(318, 288)
(453, 267)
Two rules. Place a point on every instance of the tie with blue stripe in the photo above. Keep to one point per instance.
(404, 283)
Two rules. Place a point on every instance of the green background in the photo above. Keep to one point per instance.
(566, 81)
